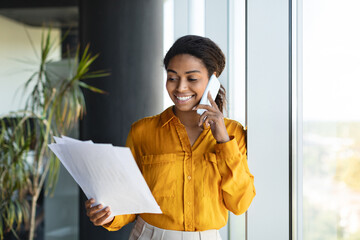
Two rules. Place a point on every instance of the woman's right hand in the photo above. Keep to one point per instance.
(98, 218)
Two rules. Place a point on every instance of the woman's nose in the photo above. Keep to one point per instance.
(182, 85)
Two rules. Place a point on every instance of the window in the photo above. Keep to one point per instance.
(329, 134)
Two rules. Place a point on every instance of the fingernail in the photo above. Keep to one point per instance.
(100, 206)
(194, 108)
(107, 209)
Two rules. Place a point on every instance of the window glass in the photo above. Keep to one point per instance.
(331, 119)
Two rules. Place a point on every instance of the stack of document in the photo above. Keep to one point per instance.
(106, 173)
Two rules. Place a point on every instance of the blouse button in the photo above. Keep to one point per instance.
(189, 177)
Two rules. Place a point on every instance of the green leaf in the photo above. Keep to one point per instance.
(47, 113)
(94, 89)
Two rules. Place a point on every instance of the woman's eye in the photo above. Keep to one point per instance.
(192, 79)
(171, 79)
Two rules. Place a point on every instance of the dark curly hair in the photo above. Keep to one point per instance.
(209, 53)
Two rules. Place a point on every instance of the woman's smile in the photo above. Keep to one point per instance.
(182, 98)
(187, 78)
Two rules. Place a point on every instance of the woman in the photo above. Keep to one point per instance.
(195, 166)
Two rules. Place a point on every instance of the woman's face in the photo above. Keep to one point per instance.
(187, 78)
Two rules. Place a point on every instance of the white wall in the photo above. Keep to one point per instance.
(268, 117)
(18, 61)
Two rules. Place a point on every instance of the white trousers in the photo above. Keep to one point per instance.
(144, 231)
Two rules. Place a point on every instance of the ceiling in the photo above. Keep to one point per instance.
(58, 17)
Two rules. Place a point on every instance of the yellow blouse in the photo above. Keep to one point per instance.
(195, 186)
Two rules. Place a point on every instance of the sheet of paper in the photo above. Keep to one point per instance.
(106, 173)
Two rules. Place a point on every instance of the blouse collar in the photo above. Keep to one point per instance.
(167, 115)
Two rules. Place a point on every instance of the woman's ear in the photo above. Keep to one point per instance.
(215, 74)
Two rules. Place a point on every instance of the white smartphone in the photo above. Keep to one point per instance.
(213, 86)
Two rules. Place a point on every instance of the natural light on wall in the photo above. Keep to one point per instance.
(193, 23)
(19, 58)
(236, 61)
(331, 119)
(168, 40)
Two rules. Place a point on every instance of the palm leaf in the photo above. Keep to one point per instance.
(94, 89)
(50, 112)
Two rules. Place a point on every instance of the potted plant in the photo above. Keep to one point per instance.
(27, 166)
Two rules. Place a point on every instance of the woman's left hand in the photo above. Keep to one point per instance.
(215, 119)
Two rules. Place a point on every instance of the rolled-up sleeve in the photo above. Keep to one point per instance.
(119, 221)
(237, 183)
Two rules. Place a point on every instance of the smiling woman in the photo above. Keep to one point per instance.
(186, 81)
(206, 59)
(201, 172)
